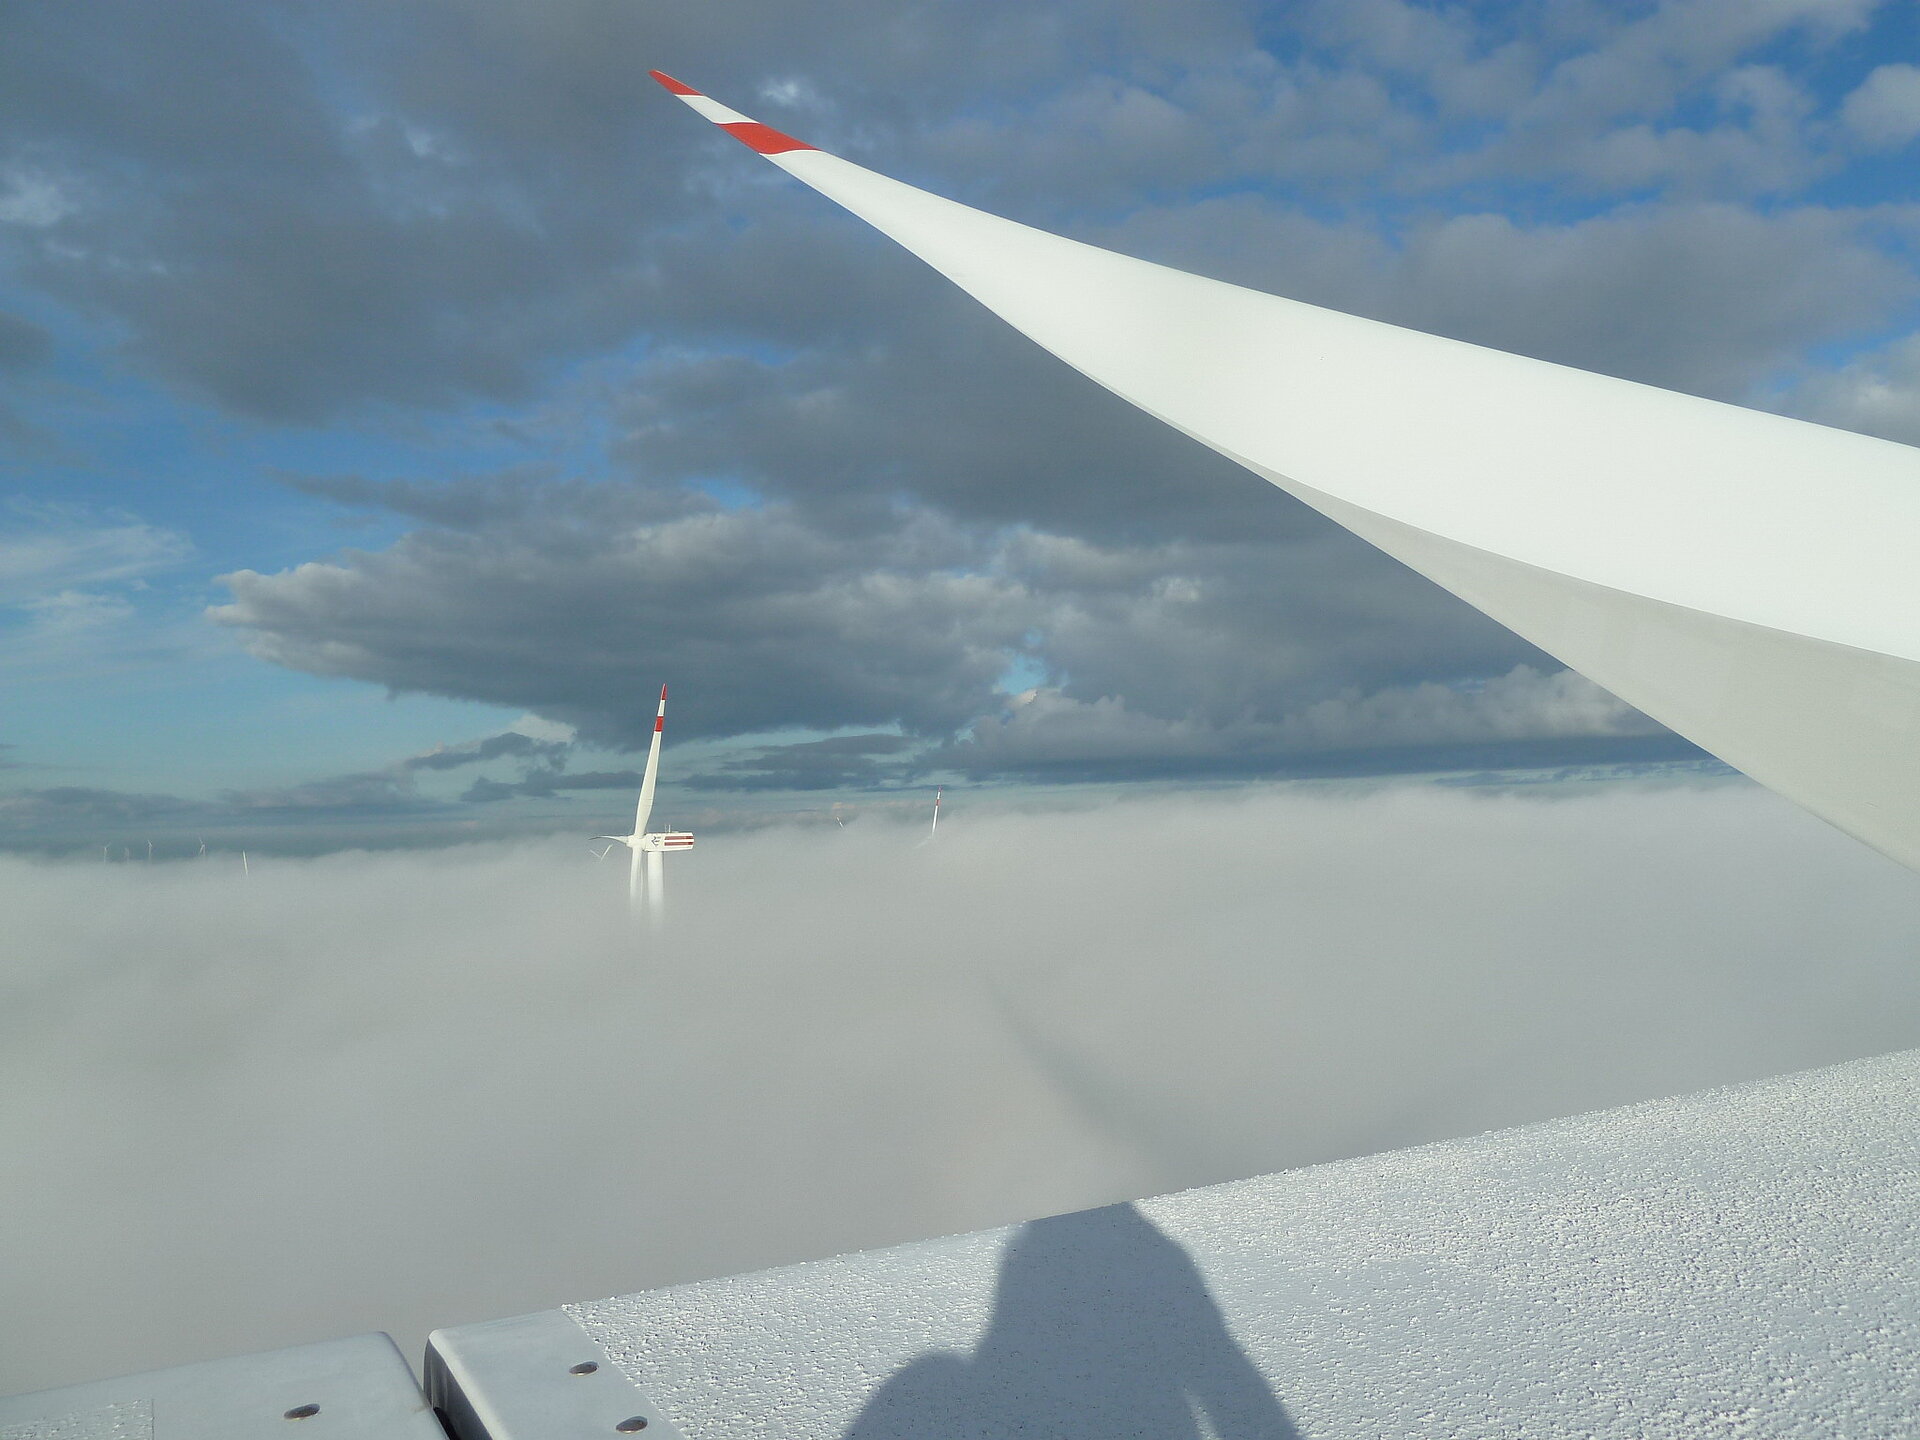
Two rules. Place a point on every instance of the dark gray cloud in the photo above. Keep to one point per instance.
(477, 752)
(1309, 655)
(294, 208)
(537, 766)
(58, 806)
(1521, 718)
(1703, 296)
(765, 619)
(369, 793)
(23, 344)
(299, 212)
(834, 763)
(545, 783)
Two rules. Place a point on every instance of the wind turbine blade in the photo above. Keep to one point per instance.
(1744, 578)
(644, 810)
(634, 877)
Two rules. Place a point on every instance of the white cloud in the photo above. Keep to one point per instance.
(537, 727)
(1045, 727)
(33, 199)
(70, 616)
(69, 574)
(48, 548)
(1877, 393)
(1885, 111)
(399, 1091)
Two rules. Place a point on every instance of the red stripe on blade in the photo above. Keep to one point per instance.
(764, 138)
(672, 84)
(659, 722)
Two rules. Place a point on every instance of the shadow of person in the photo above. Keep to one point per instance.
(1101, 1327)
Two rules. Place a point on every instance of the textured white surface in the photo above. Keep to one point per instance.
(1739, 1263)
(129, 1420)
(1745, 578)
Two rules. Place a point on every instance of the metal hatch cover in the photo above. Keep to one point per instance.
(534, 1377)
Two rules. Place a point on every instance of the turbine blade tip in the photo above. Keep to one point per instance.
(672, 86)
(763, 139)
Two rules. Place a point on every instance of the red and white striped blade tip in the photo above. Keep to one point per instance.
(749, 132)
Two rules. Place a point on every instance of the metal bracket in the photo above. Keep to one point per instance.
(536, 1377)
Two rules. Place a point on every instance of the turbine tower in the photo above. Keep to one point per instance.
(646, 878)
(933, 829)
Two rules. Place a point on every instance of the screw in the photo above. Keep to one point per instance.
(302, 1412)
(585, 1367)
(627, 1427)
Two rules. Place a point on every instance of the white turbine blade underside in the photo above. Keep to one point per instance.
(1746, 579)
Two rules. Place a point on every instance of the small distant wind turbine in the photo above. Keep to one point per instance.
(934, 828)
(649, 851)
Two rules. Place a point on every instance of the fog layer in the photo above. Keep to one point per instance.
(402, 1091)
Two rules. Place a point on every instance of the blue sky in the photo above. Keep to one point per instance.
(507, 390)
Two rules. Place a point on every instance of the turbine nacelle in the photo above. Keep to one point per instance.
(662, 841)
(657, 843)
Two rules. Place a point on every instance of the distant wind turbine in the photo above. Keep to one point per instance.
(649, 850)
(934, 829)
